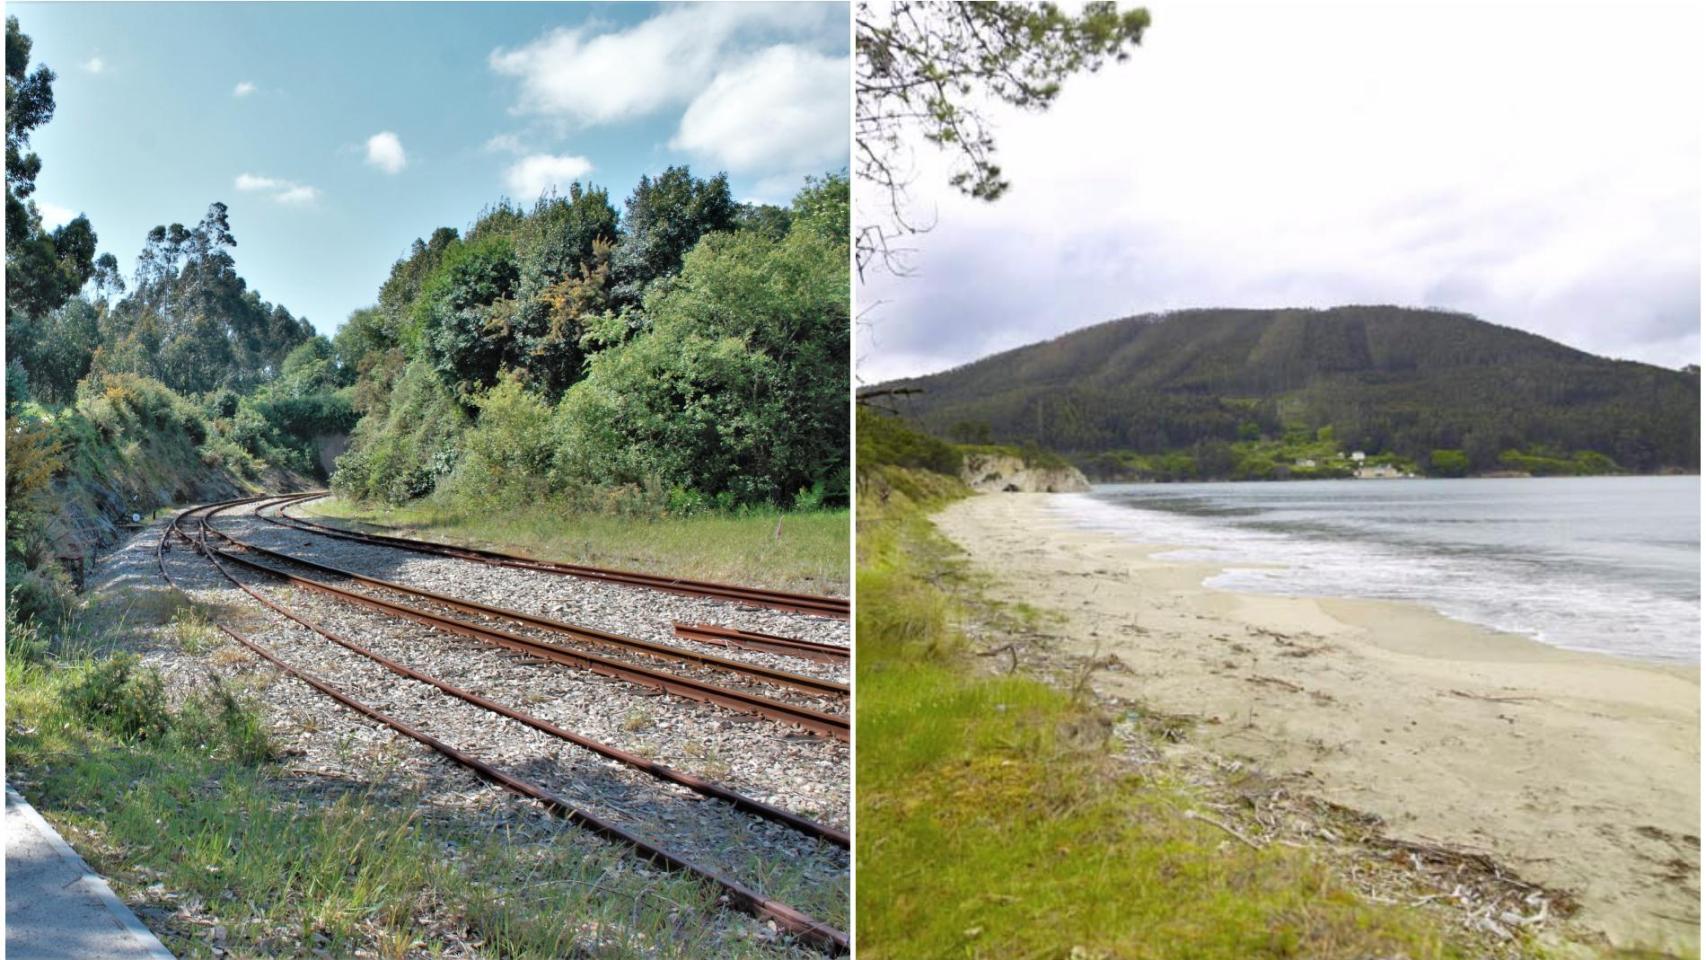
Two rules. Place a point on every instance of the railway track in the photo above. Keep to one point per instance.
(804, 603)
(712, 634)
(417, 606)
(604, 638)
(737, 894)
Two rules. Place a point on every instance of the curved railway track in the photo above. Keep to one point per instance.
(417, 608)
(739, 895)
(645, 648)
(805, 603)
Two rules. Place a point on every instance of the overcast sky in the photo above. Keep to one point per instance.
(1537, 166)
(340, 132)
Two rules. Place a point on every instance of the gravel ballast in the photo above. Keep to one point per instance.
(768, 761)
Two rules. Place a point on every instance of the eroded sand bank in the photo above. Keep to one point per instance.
(1581, 772)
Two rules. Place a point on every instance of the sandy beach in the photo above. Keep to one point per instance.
(1579, 772)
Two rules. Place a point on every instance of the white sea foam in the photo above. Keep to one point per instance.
(1603, 564)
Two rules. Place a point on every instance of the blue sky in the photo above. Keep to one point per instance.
(338, 133)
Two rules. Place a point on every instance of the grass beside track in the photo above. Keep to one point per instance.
(803, 551)
(197, 824)
(994, 822)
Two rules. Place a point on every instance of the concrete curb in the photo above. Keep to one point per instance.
(87, 883)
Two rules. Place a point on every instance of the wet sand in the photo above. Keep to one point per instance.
(1577, 771)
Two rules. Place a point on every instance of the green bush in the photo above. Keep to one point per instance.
(1256, 468)
(810, 498)
(1544, 461)
(117, 697)
(403, 455)
(41, 595)
(221, 452)
(120, 404)
(1590, 462)
(507, 455)
(737, 389)
(280, 428)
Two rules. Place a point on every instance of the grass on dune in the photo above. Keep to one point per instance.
(793, 550)
(993, 821)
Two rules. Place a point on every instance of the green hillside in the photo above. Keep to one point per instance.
(1218, 387)
(124, 394)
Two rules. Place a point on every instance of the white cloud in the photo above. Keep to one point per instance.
(285, 192)
(785, 108)
(385, 151)
(531, 176)
(53, 215)
(505, 143)
(248, 181)
(243, 89)
(1336, 164)
(586, 77)
(95, 65)
(297, 195)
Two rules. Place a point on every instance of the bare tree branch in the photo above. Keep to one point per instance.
(925, 69)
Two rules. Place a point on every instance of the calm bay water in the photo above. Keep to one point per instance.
(1610, 564)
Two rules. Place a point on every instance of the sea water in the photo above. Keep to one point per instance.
(1607, 564)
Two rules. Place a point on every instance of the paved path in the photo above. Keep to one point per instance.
(56, 907)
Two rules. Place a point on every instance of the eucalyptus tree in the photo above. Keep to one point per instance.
(43, 268)
(191, 320)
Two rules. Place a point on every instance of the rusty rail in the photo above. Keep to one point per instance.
(762, 642)
(815, 721)
(659, 651)
(706, 787)
(742, 897)
(806, 603)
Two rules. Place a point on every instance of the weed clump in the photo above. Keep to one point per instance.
(128, 702)
(216, 722)
(120, 699)
(24, 641)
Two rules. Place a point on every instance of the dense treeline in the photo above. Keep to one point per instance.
(690, 352)
(182, 383)
(687, 352)
(1386, 380)
(189, 322)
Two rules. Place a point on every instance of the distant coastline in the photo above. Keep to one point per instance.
(1603, 564)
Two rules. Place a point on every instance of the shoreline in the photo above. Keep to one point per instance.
(1496, 475)
(1470, 579)
(1579, 770)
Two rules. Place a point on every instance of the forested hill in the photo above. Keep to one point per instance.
(181, 385)
(1416, 385)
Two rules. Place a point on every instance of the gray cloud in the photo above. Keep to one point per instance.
(1539, 172)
